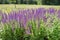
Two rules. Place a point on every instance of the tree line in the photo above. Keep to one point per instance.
(17, 2)
(43, 2)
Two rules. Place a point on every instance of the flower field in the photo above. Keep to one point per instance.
(30, 23)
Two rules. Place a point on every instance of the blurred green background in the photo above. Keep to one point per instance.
(36, 2)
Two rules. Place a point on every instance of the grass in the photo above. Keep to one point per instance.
(8, 8)
(25, 6)
(0, 39)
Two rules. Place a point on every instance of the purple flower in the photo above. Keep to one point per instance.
(29, 16)
(44, 19)
(58, 12)
(4, 18)
(18, 17)
(10, 17)
(24, 20)
(51, 11)
(40, 12)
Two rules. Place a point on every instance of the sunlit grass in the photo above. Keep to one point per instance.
(8, 8)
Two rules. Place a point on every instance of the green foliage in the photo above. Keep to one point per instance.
(50, 2)
(38, 33)
(55, 35)
(9, 33)
(38, 2)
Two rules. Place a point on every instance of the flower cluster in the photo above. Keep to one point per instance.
(27, 14)
(31, 20)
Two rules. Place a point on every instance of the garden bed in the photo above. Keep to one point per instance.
(29, 22)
